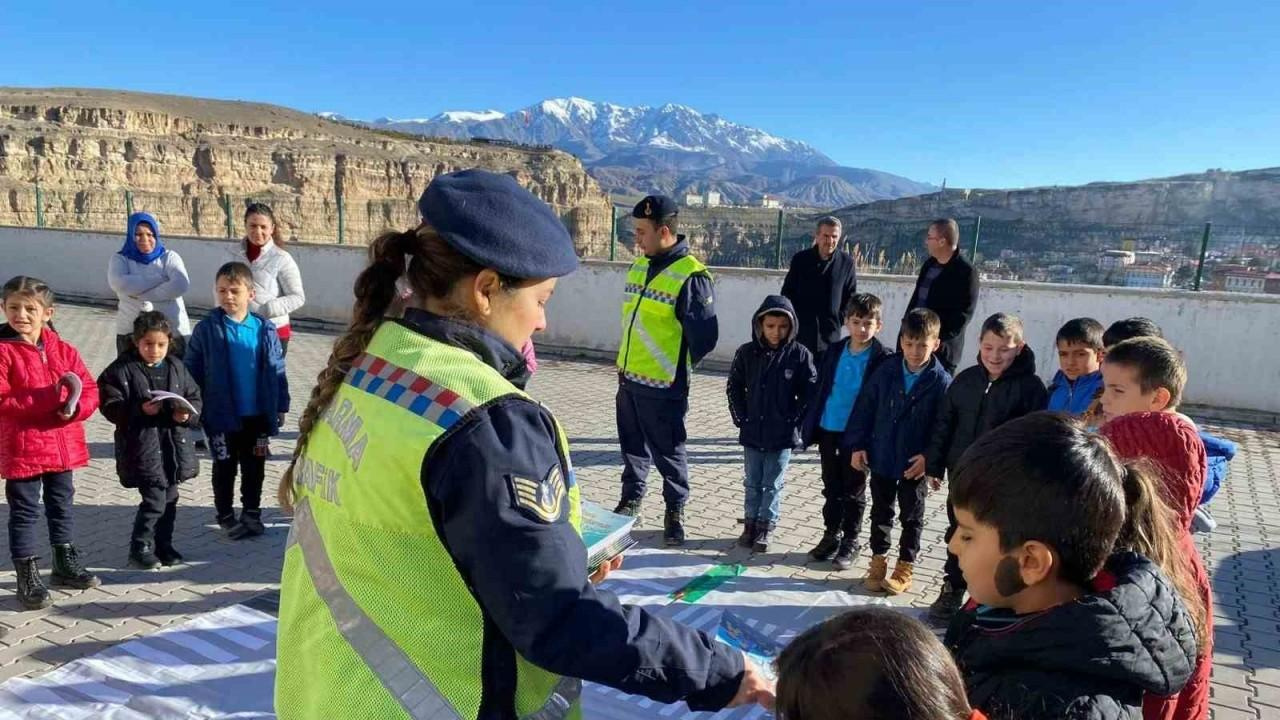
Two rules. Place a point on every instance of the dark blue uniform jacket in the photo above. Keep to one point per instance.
(530, 576)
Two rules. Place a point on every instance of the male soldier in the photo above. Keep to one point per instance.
(668, 326)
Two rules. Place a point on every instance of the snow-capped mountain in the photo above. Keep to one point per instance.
(672, 149)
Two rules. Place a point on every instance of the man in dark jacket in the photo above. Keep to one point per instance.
(770, 383)
(819, 283)
(1001, 387)
(948, 285)
(668, 325)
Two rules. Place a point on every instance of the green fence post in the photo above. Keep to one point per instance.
(342, 218)
(231, 223)
(39, 206)
(1204, 249)
(977, 233)
(777, 260)
(613, 231)
(128, 205)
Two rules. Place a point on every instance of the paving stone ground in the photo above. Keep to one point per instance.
(1243, 553)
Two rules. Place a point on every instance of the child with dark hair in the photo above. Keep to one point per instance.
(153, 452)
(1130, 328)
(1078, 383)
(1145, 378)
(1001, 387)
(770, 383)
(1068, 617)
(844, 369)
(871, 663)
(236, 359)
(887, 437)
(41, 437)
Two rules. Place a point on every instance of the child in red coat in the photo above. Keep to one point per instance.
(41, 436)
(1143, 381)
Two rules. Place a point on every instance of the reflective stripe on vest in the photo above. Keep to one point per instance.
(652, 335)
(414, 691)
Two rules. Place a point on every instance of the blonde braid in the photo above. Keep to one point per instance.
(375, 289)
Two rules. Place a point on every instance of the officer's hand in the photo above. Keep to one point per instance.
(603, 571)
(915, 469)
(152, 407)
(858, 461)
(755, 688)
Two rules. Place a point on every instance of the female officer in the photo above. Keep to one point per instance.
(434, 568)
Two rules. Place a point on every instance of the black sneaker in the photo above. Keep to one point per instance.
(949, 601)
(827, 546)
(748, 535)
(761, 543)
(673, 527)
(228, 522)
(142, 557)
(847, 551)
(250, 525)
(68, 571)
(31, 590)
(169, 556)
(630, 508)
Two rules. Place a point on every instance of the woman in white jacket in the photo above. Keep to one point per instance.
(146, 276)
(277, 282)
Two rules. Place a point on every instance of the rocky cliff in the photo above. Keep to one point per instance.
(88, 156)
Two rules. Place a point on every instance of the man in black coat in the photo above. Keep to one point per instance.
(819, 283)
(948, 285)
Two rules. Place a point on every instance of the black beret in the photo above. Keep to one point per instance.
(494, 221)
(656, 208)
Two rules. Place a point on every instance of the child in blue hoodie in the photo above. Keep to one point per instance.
(235, 357)
(770, 384)
(1079, 383)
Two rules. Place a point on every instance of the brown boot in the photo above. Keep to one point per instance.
(900, 581)
(874, 581)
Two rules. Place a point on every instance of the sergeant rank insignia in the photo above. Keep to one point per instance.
(540, 499)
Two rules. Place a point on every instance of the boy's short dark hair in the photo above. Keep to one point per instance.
(869, 663)
(1156, 362)
(150, 321)
(1081, 331)
(1003, 325)
(1043, 477)
(921, 324)
(864, 305)
(1133, 327)
(30, 287)
(235, 272)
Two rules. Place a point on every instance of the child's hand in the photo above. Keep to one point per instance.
(66, 416)
(605, 568)
(152, 407)
(858, 461)
(916, 469)
(181, 415)
(935, 484)
(754, 688)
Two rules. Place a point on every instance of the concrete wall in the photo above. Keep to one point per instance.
(1231, 341)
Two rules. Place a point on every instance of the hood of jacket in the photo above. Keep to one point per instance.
(774, 304)
(130, 248)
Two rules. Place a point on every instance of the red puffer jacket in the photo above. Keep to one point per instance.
(1173, 443)
(33, 439)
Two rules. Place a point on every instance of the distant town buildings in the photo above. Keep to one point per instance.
(1115, 259)
(710, 198)
(1148, 276)
(771, 201)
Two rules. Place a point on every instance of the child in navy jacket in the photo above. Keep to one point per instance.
(236, 359)
(770, 384)
(887, 438)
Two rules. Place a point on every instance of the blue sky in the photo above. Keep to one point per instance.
(985, 94)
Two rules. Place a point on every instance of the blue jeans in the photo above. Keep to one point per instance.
(766, 471)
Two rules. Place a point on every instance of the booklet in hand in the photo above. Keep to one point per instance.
(74, 387)
(735, 632)
(606, 535)
(176, 398)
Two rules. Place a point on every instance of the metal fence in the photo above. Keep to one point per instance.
(1198, 256)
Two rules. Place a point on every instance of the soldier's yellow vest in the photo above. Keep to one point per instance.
(651, 333)
(375, 621)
